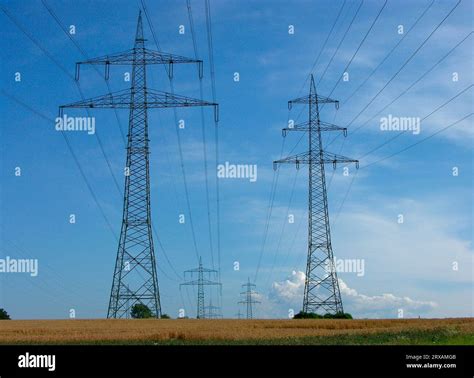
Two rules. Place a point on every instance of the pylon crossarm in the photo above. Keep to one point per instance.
(307, 126)
(297, 159)
(312, 98)
(155, 99)
(201, 269)
(330, 158)
(129, 57)
(195, 282)
(305, 158)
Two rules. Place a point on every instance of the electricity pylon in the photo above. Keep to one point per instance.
(200, 283)
(321, 292)
(212, 312)
(135, 279)
(249, 293)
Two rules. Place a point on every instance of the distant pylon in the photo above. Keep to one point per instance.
(212, 312)
(248, 294)
(200, 283)
(321, 292)
(135, 279)
(239, 315)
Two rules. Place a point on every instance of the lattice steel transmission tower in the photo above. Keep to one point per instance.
(135, 278)
(321, 292)
(249, 293)
(212, 312)
(200, 283)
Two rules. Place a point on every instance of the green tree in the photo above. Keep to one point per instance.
(312, 315)
(4, 315)
(140, 311)
(165, 316)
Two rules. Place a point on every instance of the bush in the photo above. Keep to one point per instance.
(165, 316)
(4, 315)
(312, 315)
(140, 311)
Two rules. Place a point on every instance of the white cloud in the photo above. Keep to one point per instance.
(289, 292)
(384, 305)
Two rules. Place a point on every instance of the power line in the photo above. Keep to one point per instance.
(406, 148)
(323, 47)
(405, 63)
(425, 117)
(180, 150)
(336, 51)
(282, 232)
(340, 43)
(203, 129)
(210, 45)
(390, 53)
(54, 60)
(276, 174)
(409, 87)
(358, 48)
(418, 142)
(84, 54)
(78, 164)
(416, 81)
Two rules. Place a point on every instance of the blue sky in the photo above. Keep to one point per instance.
(408, 266)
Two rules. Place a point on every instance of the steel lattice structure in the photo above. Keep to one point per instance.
(135, 278)
(321, 292)
(212, 312)
(248, 294)
(200, 283)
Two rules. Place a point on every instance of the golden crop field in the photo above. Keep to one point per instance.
(192, 330)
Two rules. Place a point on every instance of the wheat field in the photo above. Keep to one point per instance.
(192, 330)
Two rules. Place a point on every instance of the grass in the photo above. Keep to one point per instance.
(458, 331)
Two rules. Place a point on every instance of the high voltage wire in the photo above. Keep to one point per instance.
(409, 87)
(358, 48)
(405, 63)
(340, 43)
(390, 52)
(78, 164)
(203, 128)
(323, 47)
(408, 147)
(425, 117)
(210, 45)
(420, 141)
(54, 60)
(285, 221)
(335, 52)
(416, 81)
(59, 281)
(84, 54)
(271, 199)
(178, 136)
